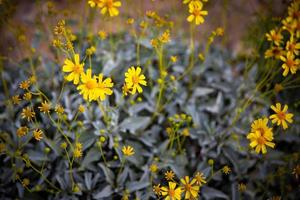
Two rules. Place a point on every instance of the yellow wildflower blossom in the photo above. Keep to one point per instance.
(274, 36)
(45, 107)
(171, 192)
(190, 188)
(290, 63)
(169, 175)
(226, 170)
(134, 78)
(88, 86)
(38, 134)
(103, 87)
(28, 113)
(75, 69)
(22, 131)
(196, 12)
(281, 116)
(128, 150)
(157, 189)
(110, 7)
(16, 99)
(200, 179)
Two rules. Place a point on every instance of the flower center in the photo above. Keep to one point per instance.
(281, 115)
(197, 12)
(77, 69)
(261, 140)
(109, 3)
(291, 47)
(135, 80)
(290, 63)
(188, 187)
(171, 192)
(90, 85)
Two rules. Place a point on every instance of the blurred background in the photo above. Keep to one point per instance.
(21, 19)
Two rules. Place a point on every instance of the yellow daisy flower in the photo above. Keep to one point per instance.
(261, 135)
(16, 99)
(103, 87)
(293, 46)
(28, 113)
(274, 52)
(75, 69)
(226, 170)
(195, 9)
(200, 179)
(128, 150)
(171, 192)
(110, 7)
(169, 175)
(290, 63)
(134, 78)
(22, 131)
(157, 189)
(45, 107)
(191, 190)
(88, 86)
(281, 116)
(38, 134)
(274, 36)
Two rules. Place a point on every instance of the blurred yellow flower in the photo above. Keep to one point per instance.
(274, 51)
(293, 46)
(195, 9)
(128, 150)
(28, 113)
(45, 107)
(171, 192)
(200, 179)
(157, 189)
(169, 175)
(190, 188)
(261, 135)
(290, 63)
(74, 68)
(88, 86)
(102, 35)
(38, 134)
(274, 36)
(226, 170)
(153, 168)
(103, 87)
(15, 99)
(22, 131)
(281, 116)
(173, 59)
(109, 6)
(24, 85)
(134, 78)
(242, 187)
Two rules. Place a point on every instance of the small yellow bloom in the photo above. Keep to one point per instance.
(16, 99)
(190, 188)
(28, 113)
(130, 21)
(157, 189)
(200, 179)
(75, 69)
(293, 46)
(274, 36)
(81, 108)
(45, 107)
(38, 134)
(275, 52)
(25, 85)
(169, 175)
(88, 86)
(291, 64)
(109, 6)
(22, 131)
(59, 109)
(27, 96)
(102, 35)
(226, 170)
(128, 150)
(195, 9)
(165, 37)
(281, 116)
(173, 59)
(77, 153)
(25, 182)
(242, 187)
(134, 78)
(171, 192)
(186, 132)
(153, 168)
(90, 51)
(261, 136)
(103, 87)
(63, 145)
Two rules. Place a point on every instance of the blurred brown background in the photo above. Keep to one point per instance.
(24, 18)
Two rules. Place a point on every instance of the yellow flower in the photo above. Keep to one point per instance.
(278, 88)
(45, 107)
(22, 131)
(63, 145)
(130, 21)
(293, 46)
(37, 134)
(153, 168)
(195, 9)
(102, 35)
(157, 189)
(226, 170)
(274, 52)
(242, 187)
(191, 190)
(281, 116)
(103, 87)
(165, 37)
(110, 7)
(25, 182)
(90, 51)
(81, 108)
(200, 179)
(88, 86)
(261, 135)
(27, 96)
(77, 152)
(274, 36)
(186, 132)
(15, 99)
(134, 78)
(169, 175)
(28, 113)
(128, 150)
(171, 192)
(25, 85)
(173, 59)
(290, 63)
(75, 68)
(59, 109)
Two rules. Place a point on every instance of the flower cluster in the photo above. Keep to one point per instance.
(285, 41)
